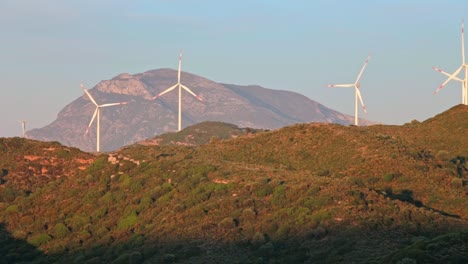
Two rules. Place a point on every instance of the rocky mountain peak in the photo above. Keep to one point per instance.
(125, 84)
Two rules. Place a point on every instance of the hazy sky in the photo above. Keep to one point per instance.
(48, 47)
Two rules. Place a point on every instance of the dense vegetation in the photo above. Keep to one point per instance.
(312, 193)
(199, 134)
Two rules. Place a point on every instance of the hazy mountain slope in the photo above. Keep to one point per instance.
(244, 106)
(284, 104)
(313, 193)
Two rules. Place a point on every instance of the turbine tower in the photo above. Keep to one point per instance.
(453, 76)
(23, 127)
(357, 92)
(180, 86)
(97, 113)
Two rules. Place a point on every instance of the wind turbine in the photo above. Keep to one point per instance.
(453, 76)
(180, 86)
(97, 113)
(357, 92)
(23, 127)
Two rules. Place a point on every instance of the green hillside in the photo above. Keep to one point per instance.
(199, 134)
(309, 193)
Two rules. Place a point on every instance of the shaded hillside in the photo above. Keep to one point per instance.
(199, 134)
(244, 106)
(308, 193)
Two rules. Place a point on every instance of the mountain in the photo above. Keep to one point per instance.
(305, 193)
(244, 106)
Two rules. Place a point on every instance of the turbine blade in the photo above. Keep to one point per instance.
(360, 99)
(449, 78)
(180, 66)
(111, 104)
(88, 94)
(92, 119)
(340, 85)
(463, 41)
(192, 93)
(362, 70)
(166, 91)
(447, 74)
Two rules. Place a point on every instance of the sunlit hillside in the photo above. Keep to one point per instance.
(308, 193)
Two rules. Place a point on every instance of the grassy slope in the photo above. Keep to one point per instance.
(305, 193)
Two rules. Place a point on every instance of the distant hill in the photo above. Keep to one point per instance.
(199, 134)
(244, 106)
(306, 193)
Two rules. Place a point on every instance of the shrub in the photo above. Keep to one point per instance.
(19, 234)
(321, 216)
(388, 177)
(107, 198)
(136, 187)
(12, 209)
(99, 213)
(279, 195)
(128, 221)
(77, 222)
(248, 215)
(8, 195)
(39, 239)
(60, 230)
(264, 190)
(316, 202)
(125, 180)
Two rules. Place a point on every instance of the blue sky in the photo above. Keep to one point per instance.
(48, 47)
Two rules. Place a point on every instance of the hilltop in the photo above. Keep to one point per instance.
(199, 134)
(245, 106)
(305, 193)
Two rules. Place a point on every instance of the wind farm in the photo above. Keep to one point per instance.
(260, 161)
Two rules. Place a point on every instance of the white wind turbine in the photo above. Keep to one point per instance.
(97, 113)
(23, 127)
(357, 92)
(180, 86)
(453, 76)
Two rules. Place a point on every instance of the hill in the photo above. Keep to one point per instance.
(307, 193)
(199, 134)
(245, 106)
